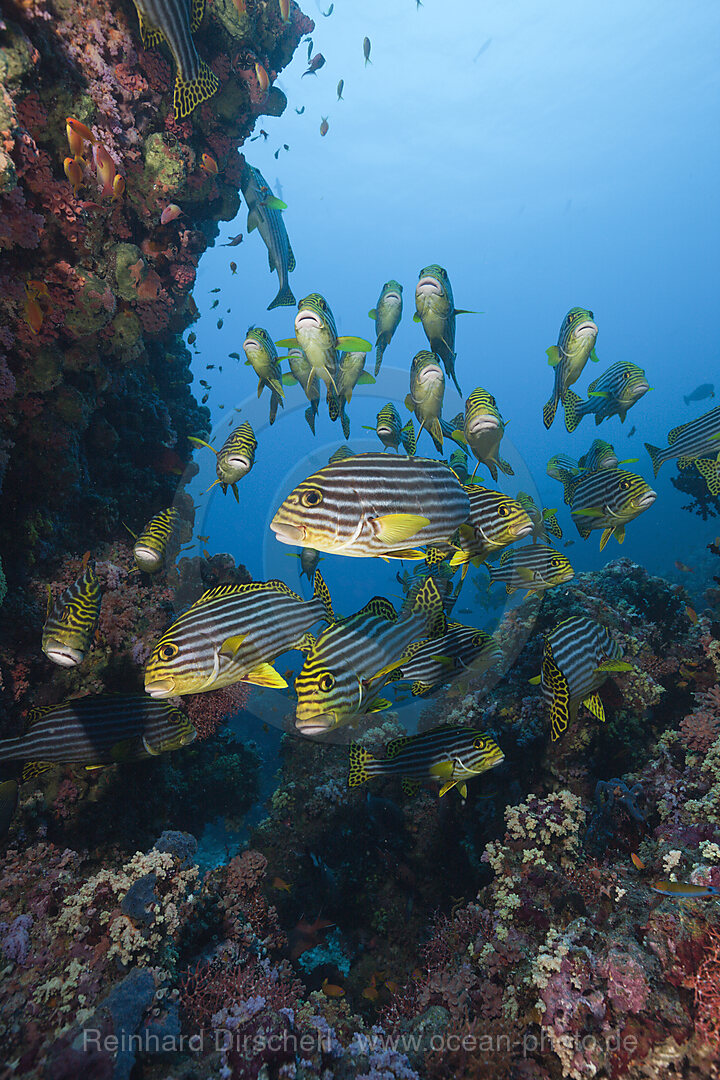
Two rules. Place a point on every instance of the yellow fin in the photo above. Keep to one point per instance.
(231, 645)
(266, 675)
(536, 680)
(394, 528)
(34, 768)
(553, 355)
(614, 665)
(353, 344)
(595, 705)
(188, 95)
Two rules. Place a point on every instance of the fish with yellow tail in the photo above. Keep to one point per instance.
(612, 394)
(435, 309)
(152, 546)
(698, 438)
(494, 522)
(483, 429)
(448, 754)
(300, 371)
(316, 334)
(232, 634)
(374, 505)
(427, 389)
(390, 431)
(575, 346)
(234, 459)
(387, 314)
(175, 22)
(265, 215)
(578, 656)
(72, 619)
(609, 500)
(354, 658)
(434, 662)
(536, 568)
(262, 357)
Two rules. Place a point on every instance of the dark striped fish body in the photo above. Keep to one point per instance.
(709, 469)
(151, 547)
(483, 428)
(435, 309)
(450, 754)
(577, 657)
(430, 663)
(458, 462)
(175, 21)
(232, 634)
(427, 389)
(535, 568)
(269, 223)
(608, 500)
(98, 730)
(697, 439)
(316, 334)
(576, 344)
(353, 659)
(544, 522)
(494, 521)
(611, 394)
(262, 356)
(387, 317)
(341, 454)
(562, 467)
(236, 456)
(72, 620)
(374, 504)
(389, 429)
(601, 455)
(300, 370)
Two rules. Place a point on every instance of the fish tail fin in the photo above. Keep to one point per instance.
(191, 93)
(654, 452)
(436, 434)
(358, 772)
(345, 421)
(505, 467)
(573, 415)
(709, 469)
(407, 437)
(549, 410)
(321, 592)
(310, 417)
(380, 347)
(284, 298)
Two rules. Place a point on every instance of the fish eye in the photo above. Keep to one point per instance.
(555, 562)
(626, 375)
(503, 510)
(479, 744)
(312, 497)
(625, 484)
(167, 652)
(326, 683)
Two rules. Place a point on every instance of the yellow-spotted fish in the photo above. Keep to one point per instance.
(576, 344)
(72, 620)
(435, 309)
(483, 429)
(435, 661)
(152, 545)
(427, 389)
(262, 356)
(316, 334)
(235, 458)
(536, 568)
(494, 522)
(391, 433)
(232, 634)
(612, 394)
(544, 522)
(688, 442)
(450, 754)
(608, 500)
(578, 655)
(265, 215)
(300, 371)
(98, 730)
(351, 661)
(174, 22)
(387, 315)
(374, 504)
(709, 469)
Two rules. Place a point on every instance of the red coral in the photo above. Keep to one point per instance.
(707, 991)
(212, 987)
(701, 728)
(209, 711)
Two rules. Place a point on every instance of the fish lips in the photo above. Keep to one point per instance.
(62, 654)
(319, 724)
(308, 320)
(287, 533)
(585, 329)
(160, 687)
(483, 425)
(431, 373)
(428, 286)
(146, 558)
(645, 500)
(523, 530)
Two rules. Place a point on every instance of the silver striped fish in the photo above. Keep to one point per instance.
(300, 371)
(576, 343)
(98, 730)
(434, 661)
(544, 522)
(450, 754)
(262, 356)
(232, 634)
(316, 334)
(688, 442)
(351, 373)
(608, 500)
(483, 429)
(435, 309)
(374, 504)
(536, 568)
(494, 521)
(175, 21)
(387, 317)
(427, 389)
(612, 394)
(234, 459)
(263, 216)
(72, 619)
(353, 659)
(390, 432)
(578, 655)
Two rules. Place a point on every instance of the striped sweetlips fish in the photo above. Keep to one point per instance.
(536, 568)
(601, 455)
(494, 522)
(98, 730)
(450, 754)
(608, 500)
(611, 394)
(174, 22)
(427, 389)
(435, 661)
(351, 373)
(576, 343)
(354, 658)
(316, 334)
(72, 619)
(259, 348)
(387, 315)
(234, 459)
(390, 432)
(374, 504)
(544, 522)
(300, 371)
(150, 550)
(435, 309)
(232, 634)
(483, 429)
(577, 657)
(265, 216)
(697, 439)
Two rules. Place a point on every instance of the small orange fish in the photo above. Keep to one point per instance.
(324, 126)
(206, 553)
(73, 171)
(105, 167)
(192, 338)
(39, 288)
(171, 211)
(691, 614)
(118, 187)
(683, 568)
(262, 77)
(278, 883)
(370, 992)
(77, 135)
(392, 986)
(285, 11)
(233, 267)
(637, 862)
(209, 164)
(331, 990)
(33, 313)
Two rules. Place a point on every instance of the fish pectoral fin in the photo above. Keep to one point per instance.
(409, 553)
(465, 311)
(589, 512)
(553, 355)
(598, 393)
(444, 661)
(201, 442)
(372, 313)
(379, 705)
(266, 675)
(231, 645)
(353, 344)
(35, 768)
(366, 379)
(253, 220)
(536, 680)
(394, 528)
(594, 356)
(614, 665)
(416, 317)
(524, 573)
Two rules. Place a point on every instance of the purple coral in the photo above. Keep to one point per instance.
(15, 936)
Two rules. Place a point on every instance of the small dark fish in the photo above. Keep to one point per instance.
(219, 324)
(706, 390)
(340, 86)
(310, 48)
(329, 11)
(632, 431)
(300, 111)
(277, 153)
(315, 64)
(209, 366)
(234, 241)
(366, 51)
(214, 304)
(214, 291)
(324, 126)
(233, 268)
(285, 147)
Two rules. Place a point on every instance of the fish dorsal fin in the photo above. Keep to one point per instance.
(379, 605)
(291, 258)
(394, 747)
(674, 435)
(506, 557)
(38, 711)
(197, 10)
(252, 586)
